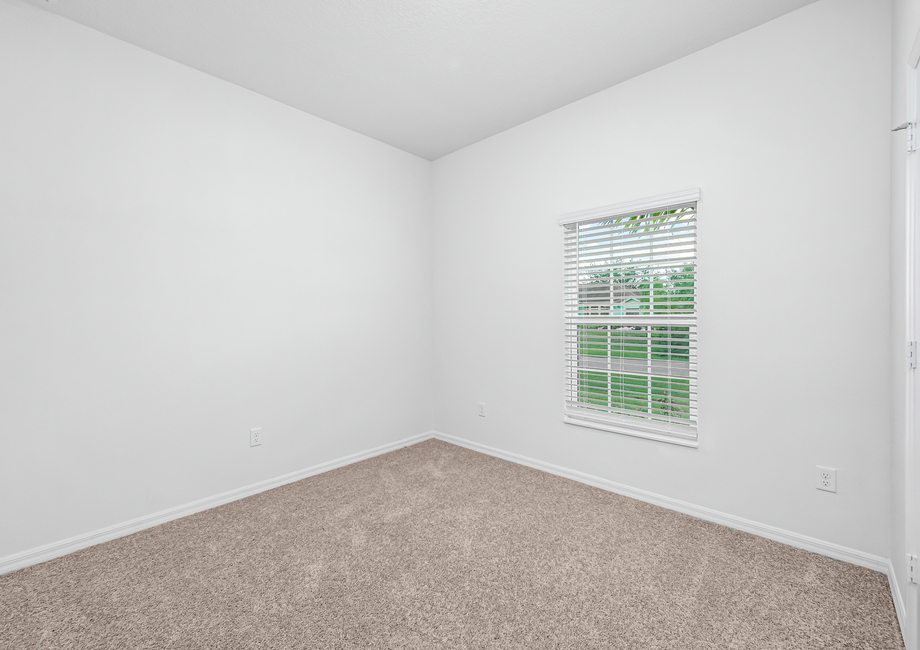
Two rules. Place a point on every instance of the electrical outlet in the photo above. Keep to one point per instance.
(482, 409)
(826, 478)
(255, 437)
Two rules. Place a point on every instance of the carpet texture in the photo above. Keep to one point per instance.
(436, 546)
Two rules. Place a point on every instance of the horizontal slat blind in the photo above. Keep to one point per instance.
(631, 331)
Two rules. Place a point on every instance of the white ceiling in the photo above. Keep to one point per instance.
(427, 76)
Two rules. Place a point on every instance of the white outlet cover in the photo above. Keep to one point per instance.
(482, 409)
(255, 437)
(826, 478)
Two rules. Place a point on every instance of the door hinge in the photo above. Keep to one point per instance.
(911, 134)
(912, 569)
(912, 354)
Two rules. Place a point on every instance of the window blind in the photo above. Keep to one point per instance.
(630, 319)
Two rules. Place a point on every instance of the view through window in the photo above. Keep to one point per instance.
(631, 332)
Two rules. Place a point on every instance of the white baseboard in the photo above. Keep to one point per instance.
(898, 602)
(829, 549)
(56, 549)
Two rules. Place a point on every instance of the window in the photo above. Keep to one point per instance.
(630, 318)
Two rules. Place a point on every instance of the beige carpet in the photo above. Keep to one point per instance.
(435, 546)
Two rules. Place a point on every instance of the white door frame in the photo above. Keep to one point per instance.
(911, 442)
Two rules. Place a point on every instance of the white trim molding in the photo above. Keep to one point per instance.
(685, 196)
(899, 607)
(638, 432)
(828, 549)
(47, 552)
(911, 628)
(914, 57)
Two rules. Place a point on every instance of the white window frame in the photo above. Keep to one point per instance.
(637, 426)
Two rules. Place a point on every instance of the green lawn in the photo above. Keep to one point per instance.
(655, 395)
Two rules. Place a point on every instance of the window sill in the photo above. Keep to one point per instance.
(636, 432)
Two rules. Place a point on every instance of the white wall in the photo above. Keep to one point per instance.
(181, 260)
(785, 129)
(905, 24)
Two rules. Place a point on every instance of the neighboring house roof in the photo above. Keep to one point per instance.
(602, 292)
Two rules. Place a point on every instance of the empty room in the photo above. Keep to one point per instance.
(468, 324)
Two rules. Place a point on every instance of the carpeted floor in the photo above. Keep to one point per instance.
(435, 546)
